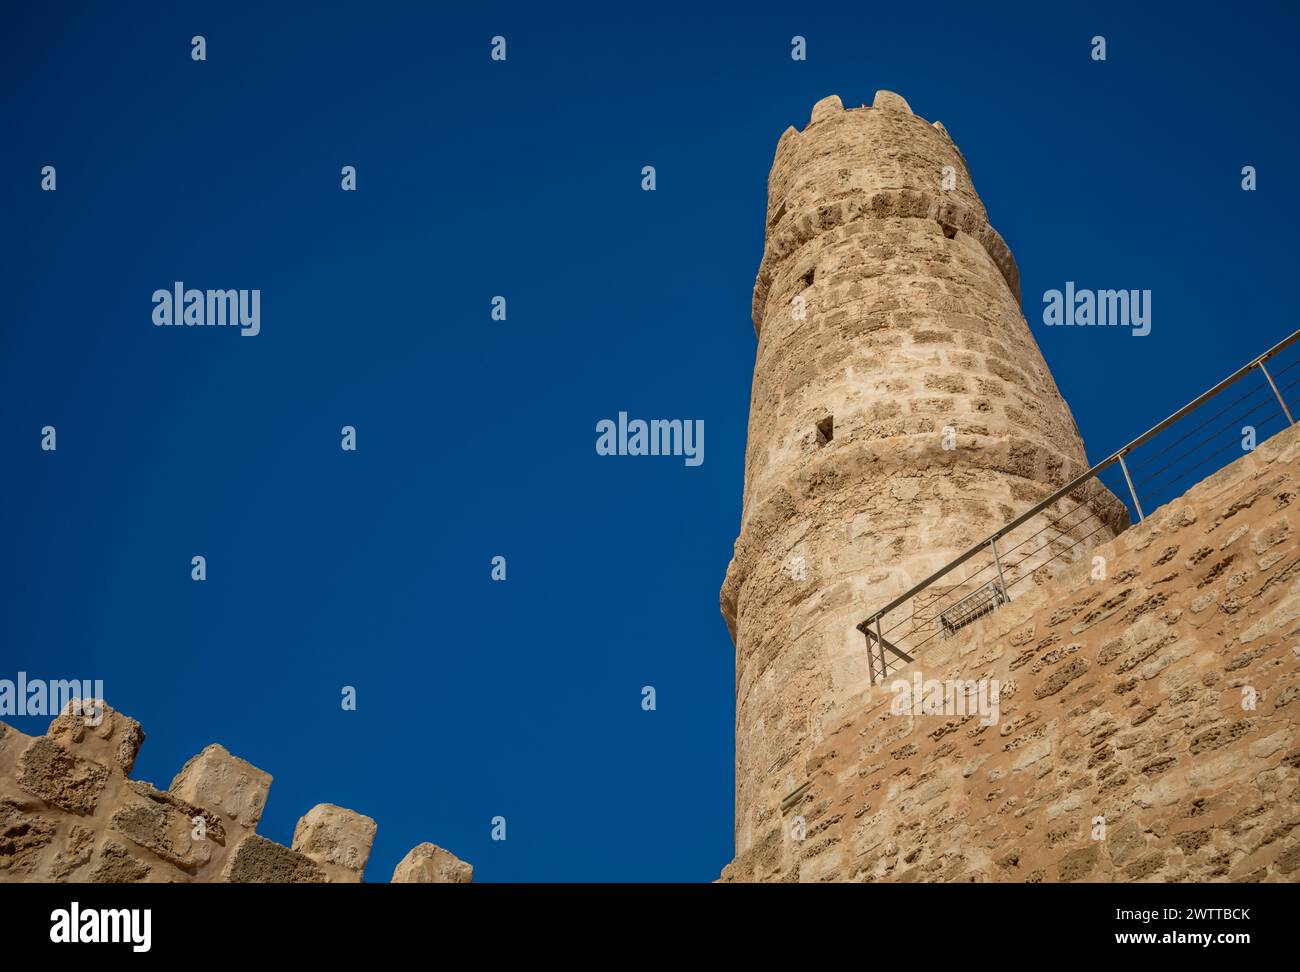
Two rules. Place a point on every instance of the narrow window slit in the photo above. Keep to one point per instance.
(825, 430)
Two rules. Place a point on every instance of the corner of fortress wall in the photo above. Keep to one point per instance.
(1147, 727)
(69, 811)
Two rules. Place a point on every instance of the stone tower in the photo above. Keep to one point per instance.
(887, 311)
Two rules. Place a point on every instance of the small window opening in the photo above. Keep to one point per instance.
(949, 232)
(808, 277)
(825, 430)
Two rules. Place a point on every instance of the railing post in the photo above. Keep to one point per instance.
(881, 642)
(1002, 581)
(871, 659)
(1285, 410)
(1132, 492)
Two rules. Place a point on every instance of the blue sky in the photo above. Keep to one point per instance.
(476, 437)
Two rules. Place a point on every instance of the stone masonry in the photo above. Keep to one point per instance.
(69, 811)
(1147, 727)
(901, 411)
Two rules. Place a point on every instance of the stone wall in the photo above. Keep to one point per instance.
(1147, 728)
(69, 811)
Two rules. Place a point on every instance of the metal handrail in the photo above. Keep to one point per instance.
(1117, 456)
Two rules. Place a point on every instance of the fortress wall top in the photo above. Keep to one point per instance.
(69, 811)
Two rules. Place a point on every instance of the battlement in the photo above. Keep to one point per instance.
(884, 101)
(832, 107)
(876, 162)
(69, 811)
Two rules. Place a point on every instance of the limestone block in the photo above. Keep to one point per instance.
(213, 824)
(48, 771)
(336, 838)
(226, 784)
(25, 838)
(165, 825)
(256, 860)
(77, 847)
(95, 731)
(430, 864)
(115, 863)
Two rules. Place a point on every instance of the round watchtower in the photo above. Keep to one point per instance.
(901, 412)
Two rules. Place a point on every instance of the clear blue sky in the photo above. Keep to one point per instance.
(476, 438)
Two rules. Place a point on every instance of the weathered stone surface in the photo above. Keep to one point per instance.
(48, 771)
(225, 784)
(891, 102)
(337, 839)
(163, 829)
(1157, 744)
(213, 827)
(826, 108)
(429, 864)
(93, 730)
(76, 852)
(256, 860)
(901, 411)
(115, 863)
(24, 836)
(70, 812)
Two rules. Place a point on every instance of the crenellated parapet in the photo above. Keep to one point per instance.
(70, 811)
(915, 171)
